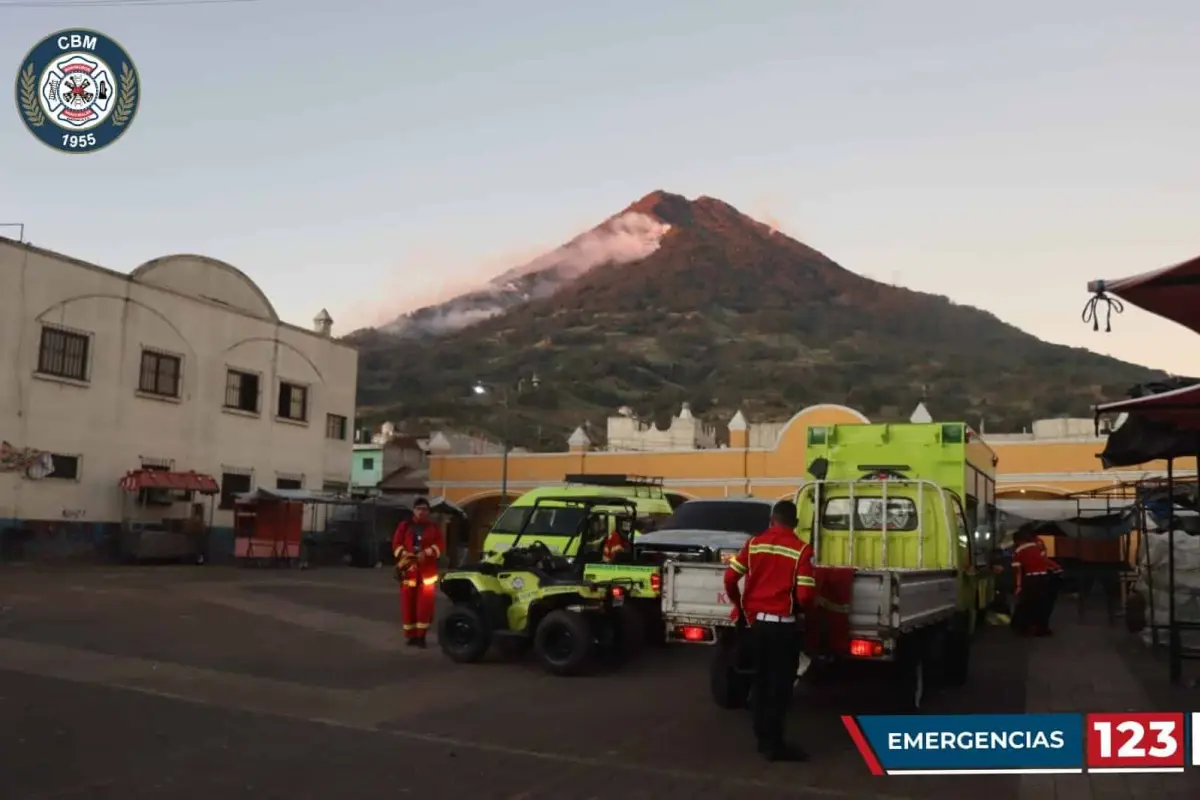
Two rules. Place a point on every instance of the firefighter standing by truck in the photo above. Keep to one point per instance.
(780, 585)
(417, 545)
(1036, 578)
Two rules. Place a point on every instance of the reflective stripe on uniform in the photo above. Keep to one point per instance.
(429, 581)
(777, 550)
(804, 580)
(396, 553)
(736, 566)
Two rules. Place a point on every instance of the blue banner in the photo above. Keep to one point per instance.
(970, 742)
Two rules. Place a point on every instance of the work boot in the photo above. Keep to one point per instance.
(412, 642)
(420, 642)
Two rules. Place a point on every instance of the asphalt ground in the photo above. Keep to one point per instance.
(183, 682)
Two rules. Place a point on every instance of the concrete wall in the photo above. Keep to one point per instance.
(201, 311)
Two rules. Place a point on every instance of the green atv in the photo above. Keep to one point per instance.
(574, 611)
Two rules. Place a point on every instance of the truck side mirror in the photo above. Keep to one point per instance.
(819, 468)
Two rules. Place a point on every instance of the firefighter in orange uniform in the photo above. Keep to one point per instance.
(620, 540)
(417, 545)
(1035, 576)
(780, 584)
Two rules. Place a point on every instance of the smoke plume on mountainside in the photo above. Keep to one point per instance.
(623, 239)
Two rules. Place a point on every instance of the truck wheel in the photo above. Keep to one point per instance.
(564, 643)
(730, 688)
(463, 635)
(913, 674)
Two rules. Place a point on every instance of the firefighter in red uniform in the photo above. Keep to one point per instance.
(780, 584)
(1035, 576)
(619, 540)
(417, 545)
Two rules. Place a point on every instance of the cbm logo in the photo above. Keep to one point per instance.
(77, 91)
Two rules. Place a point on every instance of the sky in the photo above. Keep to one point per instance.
(369, 156)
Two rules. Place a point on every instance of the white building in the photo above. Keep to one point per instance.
(686, 432)
(181, 365)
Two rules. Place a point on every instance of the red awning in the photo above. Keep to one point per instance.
(1180, 407)
(1171, 292)
(139, 479)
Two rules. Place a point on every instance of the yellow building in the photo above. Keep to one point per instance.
(1054, 459)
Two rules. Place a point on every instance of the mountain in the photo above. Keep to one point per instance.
(628, 236)
(724, 312)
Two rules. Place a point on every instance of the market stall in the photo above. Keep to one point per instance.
(161, 518)
(1160, 421)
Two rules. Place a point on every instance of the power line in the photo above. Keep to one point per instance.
(113, 3)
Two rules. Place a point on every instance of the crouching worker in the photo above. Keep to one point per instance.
(779, 586)
(1035, 577)
(417, 545)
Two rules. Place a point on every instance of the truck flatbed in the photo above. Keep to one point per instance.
(884, 603)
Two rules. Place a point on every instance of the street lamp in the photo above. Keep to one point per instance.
(505, 391)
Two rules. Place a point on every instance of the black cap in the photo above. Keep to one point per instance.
(420, 502)
(785, 512)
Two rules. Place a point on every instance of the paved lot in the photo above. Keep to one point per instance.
(200, 682)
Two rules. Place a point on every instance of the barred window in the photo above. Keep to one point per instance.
(241, 390)
(293, 402)
(335, 427)
(63, 354)
(159, 374)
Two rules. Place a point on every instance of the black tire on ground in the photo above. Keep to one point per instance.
(730, 688)
(565, 643)
(463, 635)
(912, 673)
(956, 655)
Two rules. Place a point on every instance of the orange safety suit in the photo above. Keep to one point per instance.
(780, 579)
(421, 544)
(617, 541)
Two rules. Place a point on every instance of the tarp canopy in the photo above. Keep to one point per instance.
(1050, 510)
(1160, 420)
(1105, 526)
(1178, 407)
(1170, 292)
(136, 480)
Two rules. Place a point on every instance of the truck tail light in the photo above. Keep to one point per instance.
(693, 633)
(866, 648)
(656, 582)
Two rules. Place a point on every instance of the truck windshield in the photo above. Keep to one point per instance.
(546, 520)
(718, 515)
(901, 514)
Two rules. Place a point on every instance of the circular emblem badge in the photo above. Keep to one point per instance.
(517, 583)
(77, 90)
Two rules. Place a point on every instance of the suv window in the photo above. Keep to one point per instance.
(720, 515)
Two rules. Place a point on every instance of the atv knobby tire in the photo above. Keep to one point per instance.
(565, 643)
(463, 635)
